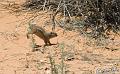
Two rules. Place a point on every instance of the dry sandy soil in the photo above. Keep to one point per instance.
(82, 55)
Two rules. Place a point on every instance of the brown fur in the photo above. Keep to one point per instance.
(40, 32)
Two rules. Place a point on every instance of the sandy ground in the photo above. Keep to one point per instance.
(82, 56)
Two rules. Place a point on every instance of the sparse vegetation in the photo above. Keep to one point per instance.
(100, 16)
(58, 68)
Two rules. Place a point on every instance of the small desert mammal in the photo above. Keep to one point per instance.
(40, 32)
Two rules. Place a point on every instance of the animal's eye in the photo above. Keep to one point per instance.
(51, 32)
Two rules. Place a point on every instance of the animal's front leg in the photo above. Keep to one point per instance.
(27, 35)
(47, 43)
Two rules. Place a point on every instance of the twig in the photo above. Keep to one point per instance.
(44, 5)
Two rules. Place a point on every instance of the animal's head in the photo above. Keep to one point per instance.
(53, 34)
